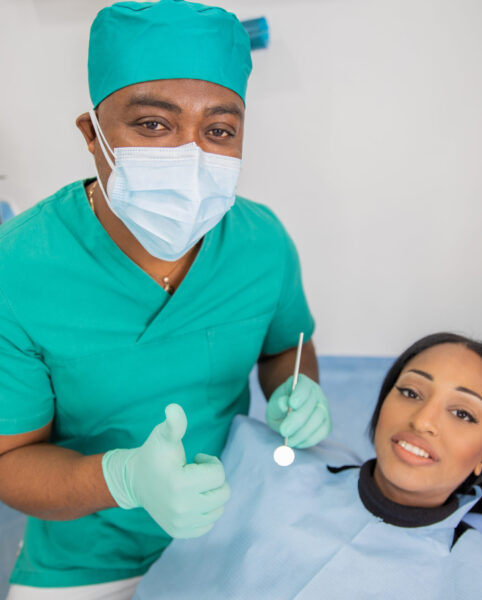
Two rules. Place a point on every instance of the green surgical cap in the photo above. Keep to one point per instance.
(131, 42)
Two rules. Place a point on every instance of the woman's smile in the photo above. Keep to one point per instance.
(414, 449)
(429, 434)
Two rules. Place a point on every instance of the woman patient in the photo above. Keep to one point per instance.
(391, 529)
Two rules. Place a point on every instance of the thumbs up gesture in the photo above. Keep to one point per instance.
(184, 499)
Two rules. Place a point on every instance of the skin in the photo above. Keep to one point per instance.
(50, 482)
(436, 403)
(164, 113)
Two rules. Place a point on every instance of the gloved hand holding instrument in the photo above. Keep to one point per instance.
(184, 499)
(301, 413)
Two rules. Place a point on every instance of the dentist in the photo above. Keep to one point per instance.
(133, 306)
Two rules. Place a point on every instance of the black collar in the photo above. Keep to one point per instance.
(398, 514)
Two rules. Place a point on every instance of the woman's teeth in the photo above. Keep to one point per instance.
(413, 449)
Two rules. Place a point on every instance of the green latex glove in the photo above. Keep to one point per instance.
(185, 500)
(309, 421)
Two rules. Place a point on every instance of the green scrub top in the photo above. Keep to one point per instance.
(89, 340)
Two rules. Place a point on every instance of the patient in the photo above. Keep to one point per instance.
(391, 529)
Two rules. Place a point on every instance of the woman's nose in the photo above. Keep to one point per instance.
(426, 418)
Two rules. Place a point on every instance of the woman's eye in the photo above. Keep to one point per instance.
(463, 415)
(407, 392)
(153, 125)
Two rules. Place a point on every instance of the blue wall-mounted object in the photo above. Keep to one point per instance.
(258, 31)
(5, 211)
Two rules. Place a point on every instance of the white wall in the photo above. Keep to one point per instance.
(364, 131)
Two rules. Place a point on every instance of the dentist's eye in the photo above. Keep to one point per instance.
(407, 392)
(463, 415)
(153, 125)
(220, 133)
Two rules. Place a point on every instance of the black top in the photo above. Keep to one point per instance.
(399, 514)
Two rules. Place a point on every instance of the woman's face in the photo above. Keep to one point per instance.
(428, 438)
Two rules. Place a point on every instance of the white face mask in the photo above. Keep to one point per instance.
(169, 198)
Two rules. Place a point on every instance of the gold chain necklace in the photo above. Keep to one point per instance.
(165, 283)
(162, 279)
(90, 197)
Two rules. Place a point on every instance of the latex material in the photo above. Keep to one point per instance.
(185, 500)
(168, 198)
(308, 422)
(302, 533)
(132, 42)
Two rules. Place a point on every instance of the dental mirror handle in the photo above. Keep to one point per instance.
(296, 371)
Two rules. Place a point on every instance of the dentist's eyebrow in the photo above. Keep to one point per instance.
(223, 109)
(467, 391)
(155, 102)
(422, 373)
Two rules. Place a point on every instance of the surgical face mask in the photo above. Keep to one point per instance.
(168, 198)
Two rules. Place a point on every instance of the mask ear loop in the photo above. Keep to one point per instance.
(104, 146)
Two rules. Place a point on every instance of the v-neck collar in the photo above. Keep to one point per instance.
(182, 294)
(102, 246)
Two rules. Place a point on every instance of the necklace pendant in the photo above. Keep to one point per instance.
(167, 286)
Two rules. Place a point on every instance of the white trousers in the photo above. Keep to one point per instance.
(114, 590)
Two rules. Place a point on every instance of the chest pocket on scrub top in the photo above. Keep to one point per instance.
(233, 351)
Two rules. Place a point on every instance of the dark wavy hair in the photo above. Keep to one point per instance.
(435, 339)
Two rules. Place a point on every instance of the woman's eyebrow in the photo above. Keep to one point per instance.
(467, 391)
(422, 373)
(458, 389)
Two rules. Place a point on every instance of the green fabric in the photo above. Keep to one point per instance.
(132, 42)
(89, 337)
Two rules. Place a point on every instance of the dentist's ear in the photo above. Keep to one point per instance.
(84, 123)
(478, 469)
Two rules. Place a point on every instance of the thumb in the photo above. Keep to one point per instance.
(175, 425)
